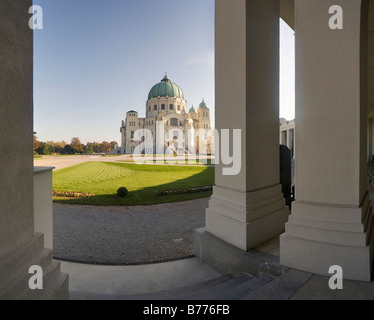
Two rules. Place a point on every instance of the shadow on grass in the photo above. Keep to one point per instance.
(147, 196)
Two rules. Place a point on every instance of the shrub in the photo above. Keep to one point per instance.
(184, 191)
(122, 192)
(72, 194)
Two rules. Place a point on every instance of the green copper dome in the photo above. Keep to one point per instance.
(166, 88)
(192, 110)
(203, 104)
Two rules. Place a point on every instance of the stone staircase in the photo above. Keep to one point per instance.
(226, 287)
(14, 276)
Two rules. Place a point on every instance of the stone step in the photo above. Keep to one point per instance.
(171, 294)
(21, 258)
(281, 288)
(248, 287)
(243, 287)
(218, 291)
(11, 288)
(58, 290)
(51, 277)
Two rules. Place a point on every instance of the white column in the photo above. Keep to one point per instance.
(289, 139)
(332, 221)
(248, 209)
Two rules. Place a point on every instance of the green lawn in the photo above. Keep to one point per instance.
(104, 178)
(172, 161)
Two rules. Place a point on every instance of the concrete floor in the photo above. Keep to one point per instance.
(130, 280)
(271, 247)
(122, 280)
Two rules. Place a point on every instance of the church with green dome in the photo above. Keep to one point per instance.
(166, 103)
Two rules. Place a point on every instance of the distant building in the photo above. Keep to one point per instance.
(287, 134)
(166, 104)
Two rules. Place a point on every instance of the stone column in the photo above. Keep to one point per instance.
(20, 247)
(294, 143)
(16, 120)
(370, 139)
(248, 209)
(289, 139)
(332, 221)
(284, 137)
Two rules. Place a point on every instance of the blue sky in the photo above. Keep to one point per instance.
(95, 60)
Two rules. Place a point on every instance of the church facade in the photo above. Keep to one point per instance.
(166, 107)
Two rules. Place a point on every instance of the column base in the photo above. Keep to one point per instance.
(246, 220)
(14, 276)
(318, 237)
(226, 258)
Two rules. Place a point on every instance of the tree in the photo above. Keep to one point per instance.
(59, 147)
(76, 145)
(96, 147)
(113, 145)
(68, 149)
(36, 143)
(88, 149)
(105, 147)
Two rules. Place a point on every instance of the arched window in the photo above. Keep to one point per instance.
(174, 122)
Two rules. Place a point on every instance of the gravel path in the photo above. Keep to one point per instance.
(64, 162)
(126, 235)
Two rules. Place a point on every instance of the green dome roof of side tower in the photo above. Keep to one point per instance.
(166, 88)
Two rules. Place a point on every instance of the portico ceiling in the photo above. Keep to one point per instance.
(287, 9)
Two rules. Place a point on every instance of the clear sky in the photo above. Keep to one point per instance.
(96, 60)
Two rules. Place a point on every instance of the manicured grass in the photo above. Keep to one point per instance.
(143, 181)
(174, 162)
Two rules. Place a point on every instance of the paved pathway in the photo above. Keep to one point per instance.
(127, 235)
(64, 162)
